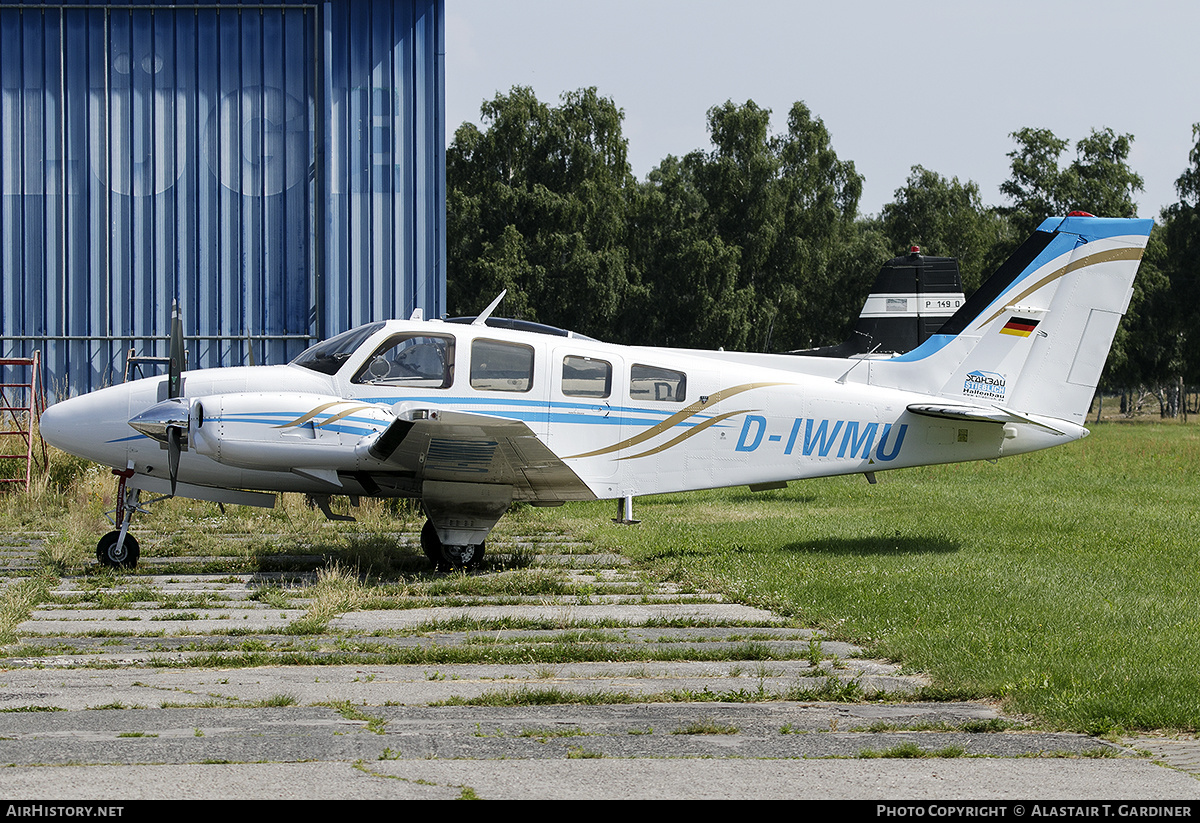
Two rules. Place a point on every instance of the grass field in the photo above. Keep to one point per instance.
(1063, 583)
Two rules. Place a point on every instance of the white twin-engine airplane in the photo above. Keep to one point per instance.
(469, 417)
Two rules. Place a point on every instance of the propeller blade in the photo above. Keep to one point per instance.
(174, 446)
(175, 369)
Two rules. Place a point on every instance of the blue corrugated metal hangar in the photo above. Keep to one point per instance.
(276, 167)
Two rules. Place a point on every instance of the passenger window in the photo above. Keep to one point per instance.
(415, 361)
(585, 377)
(499, 366)
(653, 383)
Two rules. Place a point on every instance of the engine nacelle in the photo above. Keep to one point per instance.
(283, 432)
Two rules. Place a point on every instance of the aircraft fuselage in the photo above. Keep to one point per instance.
(625, 420)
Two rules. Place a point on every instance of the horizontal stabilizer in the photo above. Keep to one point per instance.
(987, 414)
(979, 414)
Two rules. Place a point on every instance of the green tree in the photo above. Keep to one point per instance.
(821, 245)
(1036, 186)
(848, 279)
(690, 274)
(946, 219)
(1098, 181)
(787, 204)
(1102, 181)
(1180, 261)
(537, 204)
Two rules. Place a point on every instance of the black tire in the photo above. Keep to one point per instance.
(445, 559)
(463, 557)
(107, 554)
(430, 543)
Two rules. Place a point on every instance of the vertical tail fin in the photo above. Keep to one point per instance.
(913, 297)
(1035, 337)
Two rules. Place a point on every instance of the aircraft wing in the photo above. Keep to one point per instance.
(476, 448)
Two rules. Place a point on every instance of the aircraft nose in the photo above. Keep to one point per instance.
(82, 425)
(55, 425)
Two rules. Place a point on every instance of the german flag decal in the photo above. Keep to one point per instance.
(1019, 326)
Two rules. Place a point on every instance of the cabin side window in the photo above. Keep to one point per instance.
(654, 383)
(412, 361)
(586, 377)
(500, 366)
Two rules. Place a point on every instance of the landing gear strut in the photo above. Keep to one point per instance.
(119, 549)
(447, 557)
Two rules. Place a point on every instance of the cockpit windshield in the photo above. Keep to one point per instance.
(327, 357)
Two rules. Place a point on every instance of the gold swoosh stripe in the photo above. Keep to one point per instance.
(1092, 259)
(304, 418)
(674, 419)
(345, 413)
(689, 433)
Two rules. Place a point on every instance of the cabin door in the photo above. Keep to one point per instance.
(586, 410)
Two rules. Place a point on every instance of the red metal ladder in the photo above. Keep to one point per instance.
(21, 404)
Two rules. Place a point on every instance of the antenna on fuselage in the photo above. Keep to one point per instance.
(481, 320)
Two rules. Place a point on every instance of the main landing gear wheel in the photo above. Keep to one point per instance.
(124, 557)
(447, 558)
(430, 544)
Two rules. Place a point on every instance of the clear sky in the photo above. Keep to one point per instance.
(937, 83)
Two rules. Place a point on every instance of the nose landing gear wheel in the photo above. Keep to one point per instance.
(448, 557)
(123, 557)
